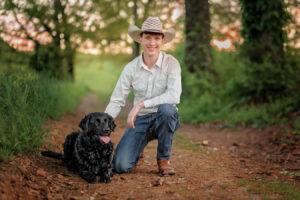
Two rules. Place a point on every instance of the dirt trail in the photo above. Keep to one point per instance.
(211, 164)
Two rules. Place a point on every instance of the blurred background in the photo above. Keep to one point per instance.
(240, 60)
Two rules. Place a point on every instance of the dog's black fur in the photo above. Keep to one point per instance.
(85, 152)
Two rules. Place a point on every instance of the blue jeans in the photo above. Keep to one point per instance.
(160, 125)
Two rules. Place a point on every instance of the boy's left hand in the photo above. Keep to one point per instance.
(133, 113)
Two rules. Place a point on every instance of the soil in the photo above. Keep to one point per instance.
(222, 167)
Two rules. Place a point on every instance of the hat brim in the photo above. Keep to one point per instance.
(134, 32)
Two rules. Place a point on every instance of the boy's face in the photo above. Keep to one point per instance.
(151, 43)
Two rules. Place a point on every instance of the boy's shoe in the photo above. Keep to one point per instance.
(165, 168)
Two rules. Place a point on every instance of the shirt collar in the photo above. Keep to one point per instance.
(158, 62)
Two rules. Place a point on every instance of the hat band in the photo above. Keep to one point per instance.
(152, 31)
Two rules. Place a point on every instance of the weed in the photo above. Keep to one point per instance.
(184, 142)
(267, 190)
(209, 186)
(287, 191)
(223, 186)
(241, 183)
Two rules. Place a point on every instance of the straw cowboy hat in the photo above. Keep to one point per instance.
(151, 24)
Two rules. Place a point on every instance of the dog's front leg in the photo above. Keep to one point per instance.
(104, 176)
(88, 176)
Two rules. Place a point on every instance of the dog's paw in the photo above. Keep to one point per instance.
(104, 179)
(90, 178)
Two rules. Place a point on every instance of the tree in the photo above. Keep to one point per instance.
(198, 55)
(116, 21)
(67, 24)
(264, 39)
(263, 22)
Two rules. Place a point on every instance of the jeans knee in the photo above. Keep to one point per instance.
(121, 166)
(167, 110)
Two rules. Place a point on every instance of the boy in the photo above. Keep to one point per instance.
(155, 78)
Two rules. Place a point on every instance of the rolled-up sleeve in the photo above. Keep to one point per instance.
(174, 89)
(120, 93)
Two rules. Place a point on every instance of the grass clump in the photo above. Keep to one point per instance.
(26, 100)
(183, 142)
(287, 191)
(267, 190)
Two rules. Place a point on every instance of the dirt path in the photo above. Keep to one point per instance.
(210, 164)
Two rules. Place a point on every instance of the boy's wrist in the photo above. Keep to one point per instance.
(141, 105)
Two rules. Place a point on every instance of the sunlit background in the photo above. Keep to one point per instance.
(224, 34)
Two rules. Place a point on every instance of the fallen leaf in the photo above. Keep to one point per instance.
(41, 172)
(158, 182)
(283, 146)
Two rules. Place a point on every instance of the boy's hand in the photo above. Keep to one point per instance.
(133, 113)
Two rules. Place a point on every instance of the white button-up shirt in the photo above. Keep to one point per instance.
(158, 85)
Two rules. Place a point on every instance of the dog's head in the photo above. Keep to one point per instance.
(98, 125)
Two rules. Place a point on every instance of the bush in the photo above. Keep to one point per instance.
(228, 97)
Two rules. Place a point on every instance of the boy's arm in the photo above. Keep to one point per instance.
(170, 96)
(120, 94)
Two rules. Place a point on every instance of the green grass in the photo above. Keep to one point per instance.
(99, 73)
(183, 142)
(267, 190)
(26, 100)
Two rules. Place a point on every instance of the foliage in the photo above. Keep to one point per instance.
(100, 73)
(64, 25)
(265, 82)
(26, 99)
(9, 55)
(47, 59)
(263, 47)
(223, 98)
(225, 14)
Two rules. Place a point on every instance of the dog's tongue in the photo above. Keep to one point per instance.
(105, 139)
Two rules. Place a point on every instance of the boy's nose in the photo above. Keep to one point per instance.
(152, 41)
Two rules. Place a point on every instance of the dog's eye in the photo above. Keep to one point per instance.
(98, 120)
(105, 120)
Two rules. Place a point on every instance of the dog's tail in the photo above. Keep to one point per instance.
(52, 154)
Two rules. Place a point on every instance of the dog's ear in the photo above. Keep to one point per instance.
(84, 124)
(112, 124)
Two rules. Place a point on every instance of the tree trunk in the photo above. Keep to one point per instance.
(198, 55)
(136, 45)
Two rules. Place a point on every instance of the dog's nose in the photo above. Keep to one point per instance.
(107, 130)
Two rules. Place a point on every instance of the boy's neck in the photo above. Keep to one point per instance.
(150, 60)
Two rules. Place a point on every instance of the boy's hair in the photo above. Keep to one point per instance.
(152, 33)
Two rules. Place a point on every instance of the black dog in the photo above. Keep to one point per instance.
(89, 151)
